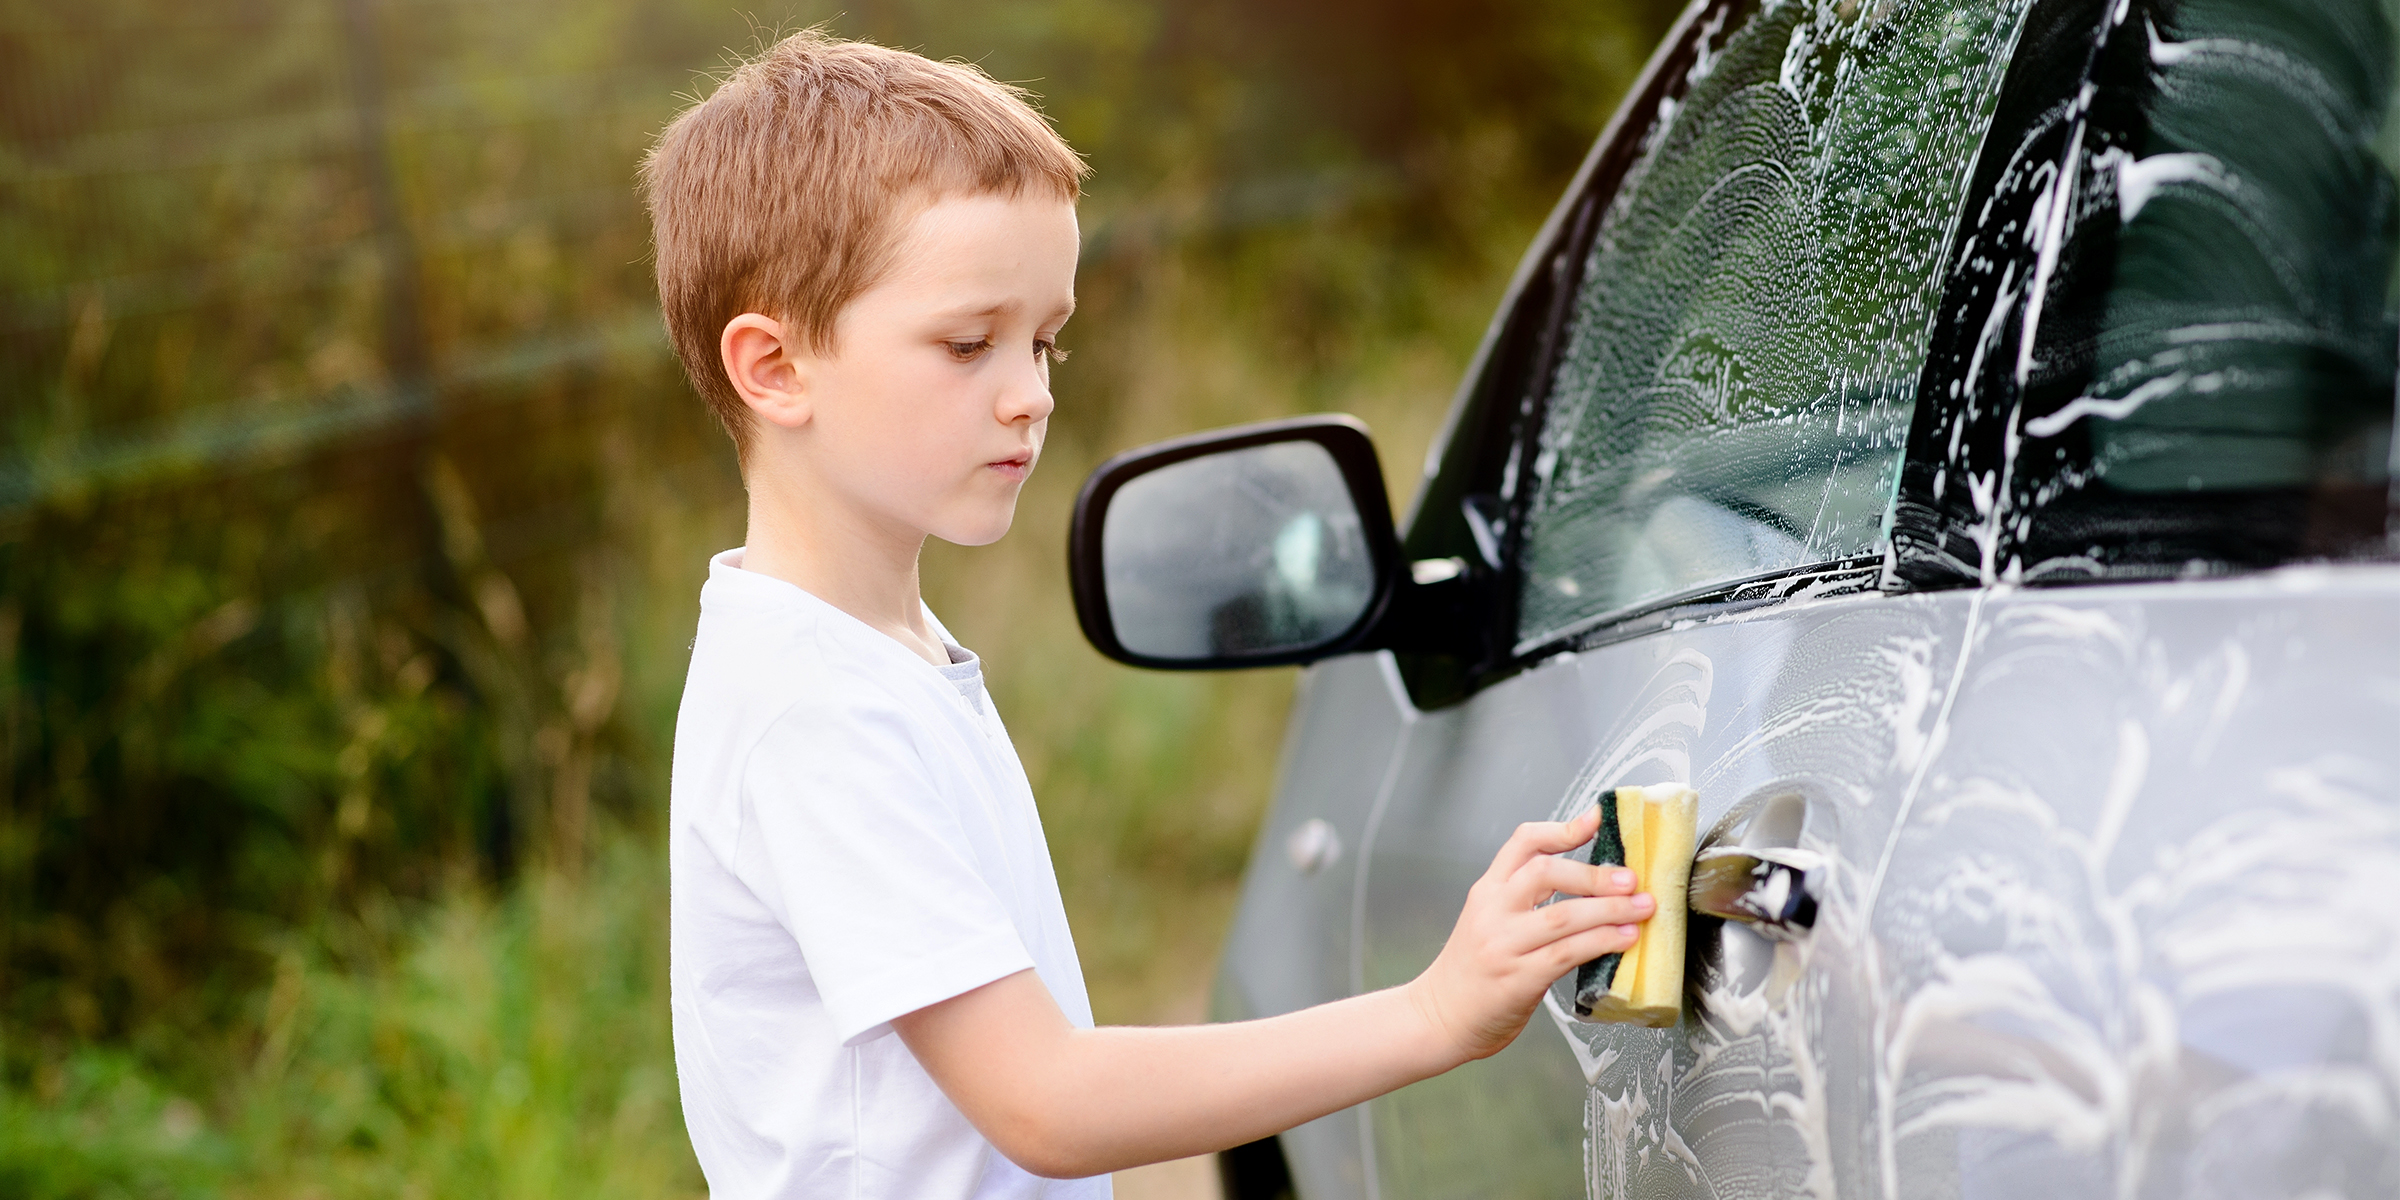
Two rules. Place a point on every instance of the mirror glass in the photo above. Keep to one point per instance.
(1251, 551)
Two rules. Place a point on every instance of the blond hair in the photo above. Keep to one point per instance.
(784, 191)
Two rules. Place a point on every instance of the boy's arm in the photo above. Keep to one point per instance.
(1065, 1102)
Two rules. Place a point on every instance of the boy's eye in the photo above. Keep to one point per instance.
(1045, 348)
(965, 351)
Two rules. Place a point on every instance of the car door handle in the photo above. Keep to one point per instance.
(1772, 890)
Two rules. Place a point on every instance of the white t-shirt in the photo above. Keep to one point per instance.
(852, 839)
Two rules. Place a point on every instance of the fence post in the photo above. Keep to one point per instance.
(403, 324)
(408, 361)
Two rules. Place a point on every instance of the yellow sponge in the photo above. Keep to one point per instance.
(1653, 830)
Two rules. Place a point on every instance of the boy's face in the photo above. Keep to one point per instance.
(930, 412)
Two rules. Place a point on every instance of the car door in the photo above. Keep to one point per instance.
(1709, 445)
(1845, 335)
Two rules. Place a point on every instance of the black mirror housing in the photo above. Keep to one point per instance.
(1342, 439)
(1440, 607)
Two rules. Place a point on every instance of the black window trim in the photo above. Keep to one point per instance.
(1602, 169)
(1487, 435)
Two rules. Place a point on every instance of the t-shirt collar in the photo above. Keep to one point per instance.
(732, 584)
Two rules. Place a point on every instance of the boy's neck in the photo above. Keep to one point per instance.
(848, 562)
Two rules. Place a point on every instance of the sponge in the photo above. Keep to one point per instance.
(1652, 830)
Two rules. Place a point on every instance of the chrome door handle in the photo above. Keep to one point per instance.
(1772, 890)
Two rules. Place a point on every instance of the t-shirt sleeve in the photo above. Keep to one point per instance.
(848, 840)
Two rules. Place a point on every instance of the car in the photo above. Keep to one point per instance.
(1956, 440)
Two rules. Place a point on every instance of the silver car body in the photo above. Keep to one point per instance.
(2113, 911)
(2112, 903)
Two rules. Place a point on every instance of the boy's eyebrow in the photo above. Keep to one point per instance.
(970, 310)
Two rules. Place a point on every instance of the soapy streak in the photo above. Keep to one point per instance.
(1678, 702)
(2115, 410)
(2140, 179)
(1870, 946)
(2049, 227)
(2137, 181)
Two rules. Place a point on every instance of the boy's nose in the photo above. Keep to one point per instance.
(1027, 398)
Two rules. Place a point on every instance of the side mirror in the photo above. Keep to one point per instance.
(1254, 546)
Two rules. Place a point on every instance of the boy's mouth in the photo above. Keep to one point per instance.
(1016, 468)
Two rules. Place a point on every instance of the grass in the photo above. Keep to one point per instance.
(513, 1046)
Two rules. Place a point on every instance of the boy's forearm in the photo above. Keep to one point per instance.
(1064, 1101)
(1179, 1091)
(1071, 1102)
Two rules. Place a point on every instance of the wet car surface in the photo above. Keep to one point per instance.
(1956, 440)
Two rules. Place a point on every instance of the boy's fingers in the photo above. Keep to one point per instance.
(1535, 838)
(1569, 918)
(1545, 874)
(1568, 953)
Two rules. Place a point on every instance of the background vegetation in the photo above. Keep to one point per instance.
(352, 516)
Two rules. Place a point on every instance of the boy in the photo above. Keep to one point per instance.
(865, 258)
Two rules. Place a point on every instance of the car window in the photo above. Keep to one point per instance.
(2198, 368)
(2247, 340)
(1735, 382)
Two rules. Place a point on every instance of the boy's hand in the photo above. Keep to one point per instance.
(1508, 947)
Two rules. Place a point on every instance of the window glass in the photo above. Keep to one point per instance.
(2229, 394)
(1241, 552)
(1735, 386)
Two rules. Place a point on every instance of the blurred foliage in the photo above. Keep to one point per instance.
(352, 516)
(510, 1047)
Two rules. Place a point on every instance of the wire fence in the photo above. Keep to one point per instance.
(249, 236)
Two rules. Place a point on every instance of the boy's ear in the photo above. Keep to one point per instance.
(768, 370)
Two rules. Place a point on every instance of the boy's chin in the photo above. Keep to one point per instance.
(977, 533)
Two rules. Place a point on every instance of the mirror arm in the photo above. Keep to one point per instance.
(1448, 617)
